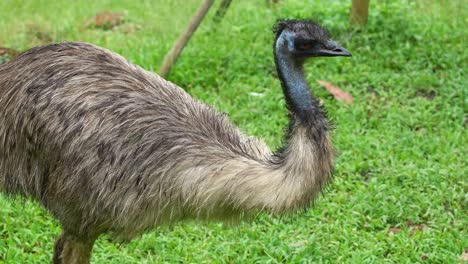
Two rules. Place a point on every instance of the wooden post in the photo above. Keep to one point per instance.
(221, 10)
(182, 41)
(359, 12)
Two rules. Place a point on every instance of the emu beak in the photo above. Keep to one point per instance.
(332, 49)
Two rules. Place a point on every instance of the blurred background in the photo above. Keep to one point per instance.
(400, 189)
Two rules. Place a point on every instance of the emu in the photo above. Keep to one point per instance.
(108, 147)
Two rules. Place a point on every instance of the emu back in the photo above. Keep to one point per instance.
(99, 140)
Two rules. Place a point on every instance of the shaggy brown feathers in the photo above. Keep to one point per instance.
(106, 146)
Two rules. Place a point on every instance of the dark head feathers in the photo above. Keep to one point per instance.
(309, 27)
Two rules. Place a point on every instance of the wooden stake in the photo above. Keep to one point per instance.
(359, 12)
(182, 41)
(221, 10)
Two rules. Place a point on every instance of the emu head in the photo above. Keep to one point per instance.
(301, 39)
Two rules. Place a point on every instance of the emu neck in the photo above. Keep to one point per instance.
(307, 138)
(295, 88)
(299, 101)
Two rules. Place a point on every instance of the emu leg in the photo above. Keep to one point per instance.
(69, 250)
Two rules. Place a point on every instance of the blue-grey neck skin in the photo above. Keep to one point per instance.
(295, 87)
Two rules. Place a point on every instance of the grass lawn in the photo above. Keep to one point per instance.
(400, 189)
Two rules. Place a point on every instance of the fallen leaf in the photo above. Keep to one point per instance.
(7, 54)
(339, 94)
(105, 20)
(394, 230)
(424, 257)
(418, 228)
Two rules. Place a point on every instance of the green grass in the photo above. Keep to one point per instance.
(402, 144)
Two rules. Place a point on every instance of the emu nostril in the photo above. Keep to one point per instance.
(338, 50)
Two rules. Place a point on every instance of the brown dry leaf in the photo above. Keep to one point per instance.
(394, 230)
(3, 51)
(424, 257)
(339, 94)
(7, 54)
(418, 228)
(105, 20)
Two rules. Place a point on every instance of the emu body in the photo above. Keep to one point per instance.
(106, 146)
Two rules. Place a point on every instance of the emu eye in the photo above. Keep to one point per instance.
(304, 46)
